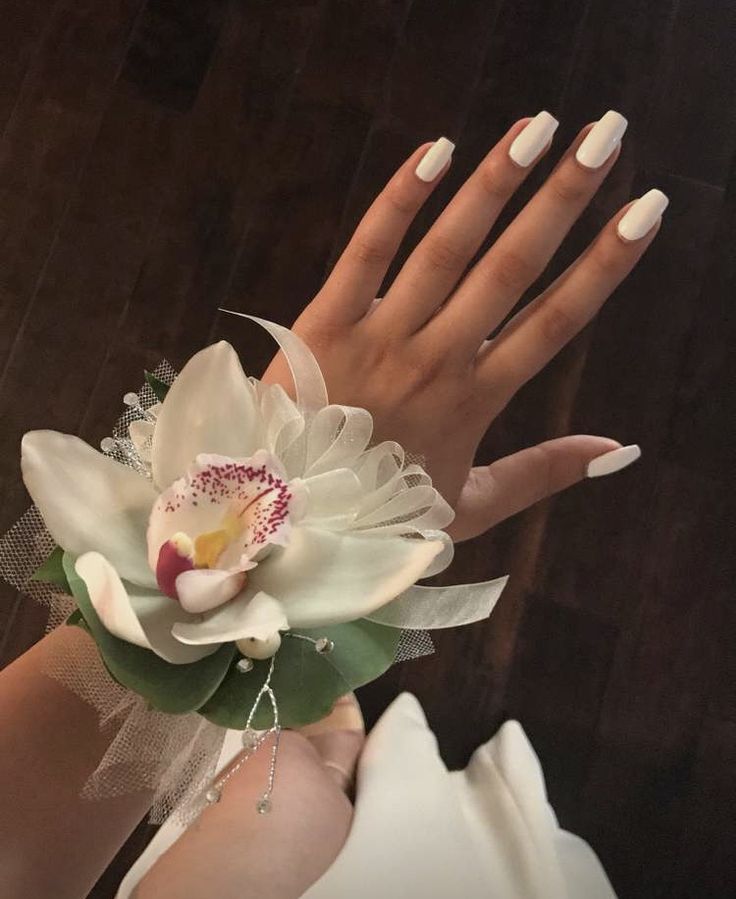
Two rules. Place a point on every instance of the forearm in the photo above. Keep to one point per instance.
(53, 842)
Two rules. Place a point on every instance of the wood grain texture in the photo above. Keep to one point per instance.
(161, 158)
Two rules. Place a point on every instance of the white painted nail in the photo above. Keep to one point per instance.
(533, 139)
(435, 159)
(613, 461)
(601, 140)
(640, 217)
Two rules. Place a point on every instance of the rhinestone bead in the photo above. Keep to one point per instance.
(263, 806)
(245, 665)
(324, 645)
(131, 399)
(250, 738)
(213, 795)
(107, 444)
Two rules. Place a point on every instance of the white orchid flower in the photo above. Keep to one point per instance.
(259, 516)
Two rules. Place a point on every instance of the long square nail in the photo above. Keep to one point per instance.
(530, 142)
(641, 216)
(601, 140)
(434, 160)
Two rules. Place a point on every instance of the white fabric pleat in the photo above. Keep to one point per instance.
(486, 832)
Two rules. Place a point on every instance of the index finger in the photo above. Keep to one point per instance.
(351, 287)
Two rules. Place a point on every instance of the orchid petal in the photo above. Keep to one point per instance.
(204, 589)
(253, 614)
(210, 408)
(212, 489)
(324, 578)
(142, 617)
(89, 502)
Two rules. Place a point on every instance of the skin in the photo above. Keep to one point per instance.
(419, 360)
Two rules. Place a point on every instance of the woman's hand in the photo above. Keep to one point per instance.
(418, 359)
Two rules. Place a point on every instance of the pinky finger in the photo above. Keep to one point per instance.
(495, 492)
(542, 328)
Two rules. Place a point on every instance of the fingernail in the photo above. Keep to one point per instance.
(601, 140)
(435, 159)
(533, 139)
(642, 215)
(613, 461)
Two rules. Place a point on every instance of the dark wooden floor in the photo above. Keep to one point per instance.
(160, 158)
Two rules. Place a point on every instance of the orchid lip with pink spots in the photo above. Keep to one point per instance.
(218, 517)
(258, 515)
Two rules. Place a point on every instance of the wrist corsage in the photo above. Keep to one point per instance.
(238, 556)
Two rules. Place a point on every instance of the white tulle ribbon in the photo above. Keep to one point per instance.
(430, 608)
(339, 436)
(309, 383)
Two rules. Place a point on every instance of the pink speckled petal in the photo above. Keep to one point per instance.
(215, 486)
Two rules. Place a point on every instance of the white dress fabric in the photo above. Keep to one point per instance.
(420, 830)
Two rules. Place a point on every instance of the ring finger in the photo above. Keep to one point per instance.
(540, 330)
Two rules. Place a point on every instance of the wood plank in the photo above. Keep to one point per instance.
(308, 168)
(692, 132)
(20, 37)
(207, 202)
(626, 391)
(45, 145)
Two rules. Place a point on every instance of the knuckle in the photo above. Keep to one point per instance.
(557, 325)
(514, 271)
(494, 179)
(443, 256)
(371, 251)
(420, 369)
(607, 259)
(399, 201)
(568, 187)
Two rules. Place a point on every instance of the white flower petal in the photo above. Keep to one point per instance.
(90, 502)
(210, 408)
(206, 588)
(252, 614)
(143, 617)
(324, 578)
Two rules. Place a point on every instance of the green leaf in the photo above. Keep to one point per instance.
(176, 689)
(52, 570)
(306, 683)
(77, 619)
(160, 388)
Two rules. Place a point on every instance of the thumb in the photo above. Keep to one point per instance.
(495, 492)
